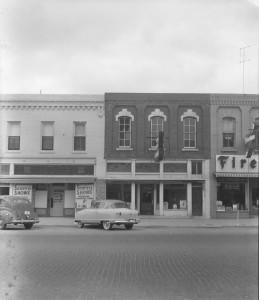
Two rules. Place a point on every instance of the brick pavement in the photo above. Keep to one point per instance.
(172, 263)
(155, 221)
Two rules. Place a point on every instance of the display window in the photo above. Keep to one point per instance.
(175, 197)
(231, 196)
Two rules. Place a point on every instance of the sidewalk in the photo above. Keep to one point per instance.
(156, 221)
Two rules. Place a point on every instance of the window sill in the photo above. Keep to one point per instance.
(229, 150)
(124, 149)
(190, 149)
(14, 151)
(47, 151)
(78, 152)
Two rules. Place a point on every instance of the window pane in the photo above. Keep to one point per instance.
(13, 143)
(79, 143)
(47, 142)
(228, 125)
(79, 129)
(47, 128)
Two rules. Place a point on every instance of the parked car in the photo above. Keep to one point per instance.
(17, 210)
(108, 213)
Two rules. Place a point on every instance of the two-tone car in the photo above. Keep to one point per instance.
(108, 213)
(17, 210)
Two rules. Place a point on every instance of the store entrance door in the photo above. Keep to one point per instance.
(146, 199)
(197, 200)
(56, 203)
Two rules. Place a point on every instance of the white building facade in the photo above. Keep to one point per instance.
(51, 150)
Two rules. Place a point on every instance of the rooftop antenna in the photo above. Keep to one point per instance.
(243, 59)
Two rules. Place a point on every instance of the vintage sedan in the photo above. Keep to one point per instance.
(17, 210)
(108, 213)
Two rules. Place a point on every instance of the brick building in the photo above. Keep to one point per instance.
(51, 150)
(178, 185)
(234, 190)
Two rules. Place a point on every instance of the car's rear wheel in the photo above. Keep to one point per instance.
(107, 225)
(128, 226)
(28, 225)
(2, 226)
(80, 224)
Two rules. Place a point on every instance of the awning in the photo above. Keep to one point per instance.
(243, 175)
(48, 180)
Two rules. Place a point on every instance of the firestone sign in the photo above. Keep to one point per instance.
(237, 164)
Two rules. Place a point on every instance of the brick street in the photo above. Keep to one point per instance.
(66, 262)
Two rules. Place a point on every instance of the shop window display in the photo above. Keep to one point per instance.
(231, 196)
(175, 197)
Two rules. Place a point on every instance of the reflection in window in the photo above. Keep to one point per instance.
(229, 128)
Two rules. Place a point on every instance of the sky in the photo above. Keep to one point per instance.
(131, 46)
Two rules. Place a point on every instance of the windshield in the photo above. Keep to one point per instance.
(121, 205)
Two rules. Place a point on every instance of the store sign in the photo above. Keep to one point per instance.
(237, 164)
(22, 190)
(84, 195)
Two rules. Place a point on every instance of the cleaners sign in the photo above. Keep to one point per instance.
(22, 190)
(237, 164)
(84, 195)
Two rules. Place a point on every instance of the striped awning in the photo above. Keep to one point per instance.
(243, 175)
(47, 180)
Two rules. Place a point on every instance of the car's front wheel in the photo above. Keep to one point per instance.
(28, 225)
(128, 226)
(107, 225)
(80, 224)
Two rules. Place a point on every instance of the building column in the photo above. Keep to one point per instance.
(161, 198)
(247, 194)
(133, 195)
(138, 196)
(189, 199)
(155, 198)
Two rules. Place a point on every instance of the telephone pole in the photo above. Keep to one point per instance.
(243, 59)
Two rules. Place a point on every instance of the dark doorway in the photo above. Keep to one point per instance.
(146, 199)
(197, 200)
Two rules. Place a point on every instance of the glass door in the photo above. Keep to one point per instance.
(146, 199)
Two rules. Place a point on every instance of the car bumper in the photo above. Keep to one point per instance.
(123, 222)
(23, 221)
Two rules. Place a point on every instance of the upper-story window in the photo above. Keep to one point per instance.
(125, 118)
(190, 119)
(229, 132)
(79, 136)
(189, 133)
(124, 132)
(157, 119)
(157, 124)
(14, 133)
(47, 135)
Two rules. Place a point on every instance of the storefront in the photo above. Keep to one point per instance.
(237, 186)
(157, 190)
(52, 194)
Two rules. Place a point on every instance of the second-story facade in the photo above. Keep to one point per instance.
(234, 175)
(51, 150)
(176, 186)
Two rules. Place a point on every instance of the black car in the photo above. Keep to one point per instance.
(17, 210)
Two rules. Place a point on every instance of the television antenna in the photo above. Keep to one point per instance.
(243, 60)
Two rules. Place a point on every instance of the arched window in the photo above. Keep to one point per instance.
(157, 124)
(157, 119)
(229, 132)
(124, 132)
(189, 132)
(124, 118)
